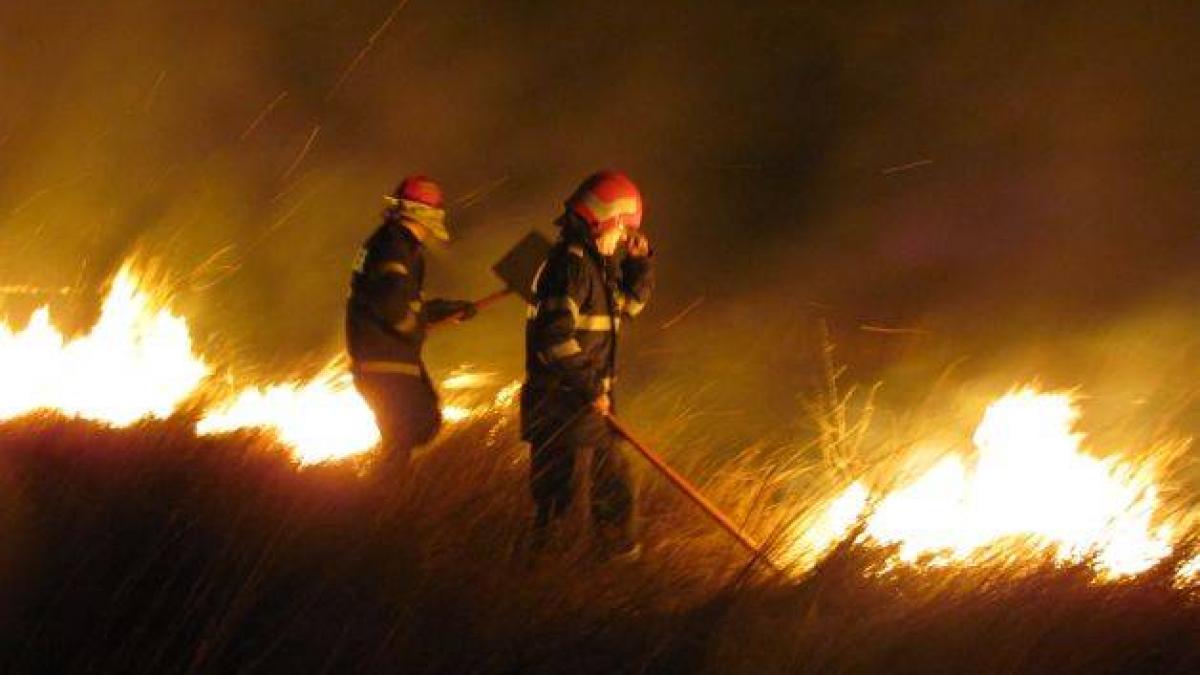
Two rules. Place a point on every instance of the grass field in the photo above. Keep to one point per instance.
(150, 550)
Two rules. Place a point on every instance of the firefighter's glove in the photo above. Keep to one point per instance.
(466, 310)
(638, 246)
(603, 405)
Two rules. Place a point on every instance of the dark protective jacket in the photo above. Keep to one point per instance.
(386, 313)
(580, 298)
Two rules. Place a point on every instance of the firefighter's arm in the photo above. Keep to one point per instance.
(637, 278)
(562, 286)
(397, 300)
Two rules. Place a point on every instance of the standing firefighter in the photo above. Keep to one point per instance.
(580, 296)
(386, 317)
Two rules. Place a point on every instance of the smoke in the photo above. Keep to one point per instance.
(1003, 181)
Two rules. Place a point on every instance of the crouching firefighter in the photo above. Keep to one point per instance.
(386, 318)
(580, 295)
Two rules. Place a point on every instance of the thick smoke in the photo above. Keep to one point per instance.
(1011, 184)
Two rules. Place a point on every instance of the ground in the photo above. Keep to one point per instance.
(149, 550)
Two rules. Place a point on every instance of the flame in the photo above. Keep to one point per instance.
(135, 363)
(465, 377)
(814, 537)
(456, 413)
(325, 419)
(467, 394)
(1030, 481)
(321, 420)
(1189, 572)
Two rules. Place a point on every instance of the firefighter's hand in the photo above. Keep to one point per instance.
(602, 405)
(638, 245)
(466, 310)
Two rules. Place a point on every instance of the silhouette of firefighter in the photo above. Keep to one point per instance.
(581, 294)
(386, 320)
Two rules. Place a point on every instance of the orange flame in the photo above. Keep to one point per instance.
(325, 419)
(321, 420)
(1030, 480)
(135, 363)
(1189, 572)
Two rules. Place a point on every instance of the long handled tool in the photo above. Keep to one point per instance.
(517, 269)
(694, 494)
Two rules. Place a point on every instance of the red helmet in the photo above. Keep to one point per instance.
(606, 199)
(418, 199)
(420, 189)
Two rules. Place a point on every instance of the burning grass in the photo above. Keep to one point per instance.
(148, 549)
(197, 524)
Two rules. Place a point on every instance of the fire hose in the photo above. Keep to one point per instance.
(694, 494)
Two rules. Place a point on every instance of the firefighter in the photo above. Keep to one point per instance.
(386, 318)
(583, 290)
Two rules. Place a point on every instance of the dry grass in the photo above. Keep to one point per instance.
(149, 550)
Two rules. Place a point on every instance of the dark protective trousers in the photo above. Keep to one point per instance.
(406, 411)
(552, 471)
(560, 428)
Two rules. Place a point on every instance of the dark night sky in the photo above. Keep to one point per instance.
(1017, 179)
